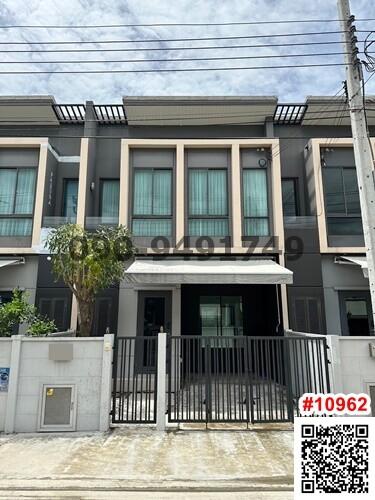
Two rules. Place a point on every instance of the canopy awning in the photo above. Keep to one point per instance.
(172, 271)
(357, 260)
(11, 262)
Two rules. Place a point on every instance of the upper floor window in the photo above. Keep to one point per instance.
(152, 202)
(109, 200)
(17, 195)
(70, 199)
(290, 200)
(255, 202)
(342, 204)
(208, 202)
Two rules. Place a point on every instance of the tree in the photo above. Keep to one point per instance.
(18, 311)
(87, 262)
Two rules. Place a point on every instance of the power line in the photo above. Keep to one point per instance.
(249, 122)
(166, 70)
(163, 49)
(239, 23)
(163, 40)
(272, 56)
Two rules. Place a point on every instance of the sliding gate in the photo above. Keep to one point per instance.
(243, 379)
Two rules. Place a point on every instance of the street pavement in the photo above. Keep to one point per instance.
(139, 462)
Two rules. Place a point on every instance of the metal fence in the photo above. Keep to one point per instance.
(134, 389)
(243, 379)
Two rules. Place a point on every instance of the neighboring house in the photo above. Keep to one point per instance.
(269, 189)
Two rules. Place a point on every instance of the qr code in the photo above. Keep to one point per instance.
(333, 456)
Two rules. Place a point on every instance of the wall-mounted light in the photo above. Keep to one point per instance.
(262, 162)
(92, 186)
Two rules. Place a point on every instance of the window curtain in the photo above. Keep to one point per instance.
(255, 193)
(142, 204)
(198, 203)
(25, 192)
(255, 202)
(217, 192)
(8, 178)
(162, 192)
(15, 227)
(208, 227)
(152, 227)
(110, 199)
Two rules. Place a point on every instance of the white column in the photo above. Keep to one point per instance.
(161, 385)
(106, 384)
(10, 415)
(334, 368)
(236, 197)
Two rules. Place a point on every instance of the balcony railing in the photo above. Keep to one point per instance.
(300, 222)
(93, 222)
(56, 221)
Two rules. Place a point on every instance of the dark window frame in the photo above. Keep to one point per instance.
(29, 216)
(66, 180)
(208, 216)
(152, 216)
(246, 217)
(297, 204)
(339, 215)
(102, 180)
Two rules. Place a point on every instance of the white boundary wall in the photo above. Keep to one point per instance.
(87, 366)
(352, 369)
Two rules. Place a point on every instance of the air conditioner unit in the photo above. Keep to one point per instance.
(58, 405)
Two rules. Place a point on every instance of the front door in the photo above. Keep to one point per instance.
(356, 313)
(154, 315)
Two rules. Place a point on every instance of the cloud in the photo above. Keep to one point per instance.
(289, 84)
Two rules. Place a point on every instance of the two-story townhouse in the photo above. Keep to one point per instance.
(243, 212)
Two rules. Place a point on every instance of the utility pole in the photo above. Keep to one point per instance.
(361, 142)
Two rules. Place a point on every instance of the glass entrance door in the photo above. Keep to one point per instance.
(356, 315)
(221, 315)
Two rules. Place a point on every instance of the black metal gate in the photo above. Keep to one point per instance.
(243, 379)
(134, 388)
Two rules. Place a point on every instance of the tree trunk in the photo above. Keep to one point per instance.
(85, 317)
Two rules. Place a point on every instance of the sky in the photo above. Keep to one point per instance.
(290, 85)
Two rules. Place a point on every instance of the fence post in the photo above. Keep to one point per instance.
(15, 357)
(106, 383)
(334, 367)
(161, 381)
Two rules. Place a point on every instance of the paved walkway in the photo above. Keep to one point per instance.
(142, 459)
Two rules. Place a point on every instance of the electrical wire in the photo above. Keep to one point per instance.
(168, 70)
(98, 61)
(165, 40)
(150, 25)
(166, 49)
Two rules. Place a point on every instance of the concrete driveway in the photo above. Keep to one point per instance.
(138, 459)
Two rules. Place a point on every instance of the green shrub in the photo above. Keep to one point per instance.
(17, 312)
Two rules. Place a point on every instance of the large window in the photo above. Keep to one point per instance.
(208, 202)
(221, 315)
(17, 194)
(70, 199)
(109, 201)
(255, 202)
(152, 202)
(343, 209)
(290, 201)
